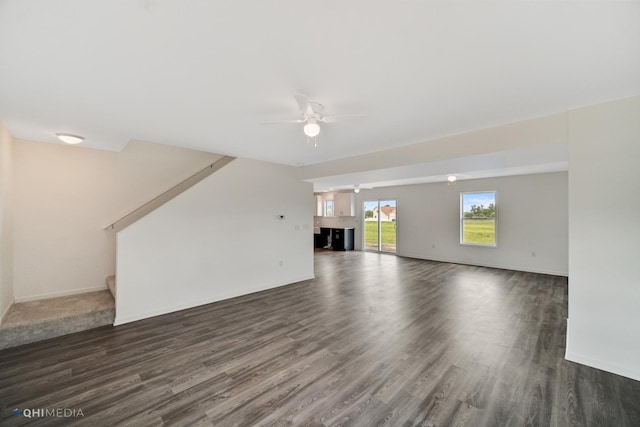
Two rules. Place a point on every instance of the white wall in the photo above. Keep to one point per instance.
(604, 239)
(531, 217)
(219, 239)
(66, 195)
(6, 220)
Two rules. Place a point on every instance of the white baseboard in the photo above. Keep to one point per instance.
(6, 310)
(60, 294)
(502, 267)
(603, 366)
(121, 320)
(571, 356)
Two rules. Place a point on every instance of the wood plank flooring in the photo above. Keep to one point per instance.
(373, 340)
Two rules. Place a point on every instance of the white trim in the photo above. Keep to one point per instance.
(191, 304)
(363, 224)
(326, 208)
(6, 310)
(502, 267)
(495, 219)
(596, 363)
(603, 366)
(60, 294)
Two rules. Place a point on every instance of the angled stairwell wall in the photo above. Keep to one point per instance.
(219, 239)
(169, 194)
(65, 196)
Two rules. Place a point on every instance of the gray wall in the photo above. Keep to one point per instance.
(219, 239)
(604, 238)
(532, 217)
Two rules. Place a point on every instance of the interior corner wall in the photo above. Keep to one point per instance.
(6, 220)
(219, 239)
(604, 238)
(531, 217)
(64, 197)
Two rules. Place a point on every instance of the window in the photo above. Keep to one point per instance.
(478, 218)
(328, 208)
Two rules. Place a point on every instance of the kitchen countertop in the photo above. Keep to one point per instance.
(316, 230)
(341, 228)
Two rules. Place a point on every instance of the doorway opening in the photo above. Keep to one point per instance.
(380, 226)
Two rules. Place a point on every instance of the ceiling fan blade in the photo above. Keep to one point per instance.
(281, 122)
(303, 105)
(334, 117)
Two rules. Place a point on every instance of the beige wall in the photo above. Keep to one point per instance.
(6, 220)
(66, 195)
(146, 169)
(542, 131)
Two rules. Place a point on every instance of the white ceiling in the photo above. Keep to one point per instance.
(204, 74)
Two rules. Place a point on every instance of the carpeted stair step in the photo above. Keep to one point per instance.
(33, 321)
(111, 284)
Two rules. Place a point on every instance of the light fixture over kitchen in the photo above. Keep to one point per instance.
(70, 138)
(451, 178)
(356, 188)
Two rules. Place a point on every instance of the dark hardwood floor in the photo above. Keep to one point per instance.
(373, 340)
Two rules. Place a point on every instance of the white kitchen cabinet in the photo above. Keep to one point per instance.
(318, 205)
(344, 204)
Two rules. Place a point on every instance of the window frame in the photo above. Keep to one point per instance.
(462, 218)
(326, 207)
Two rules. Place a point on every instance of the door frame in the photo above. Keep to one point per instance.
(364, 225)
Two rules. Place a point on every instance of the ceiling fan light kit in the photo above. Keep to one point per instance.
(311, 117)
(312, 129)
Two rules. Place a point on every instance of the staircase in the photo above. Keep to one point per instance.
(33, 321)
(111, 284)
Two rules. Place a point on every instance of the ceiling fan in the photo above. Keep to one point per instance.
(312, 116)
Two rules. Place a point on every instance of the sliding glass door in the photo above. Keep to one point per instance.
(371, 227)
(380, 225)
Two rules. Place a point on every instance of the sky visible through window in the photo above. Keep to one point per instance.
(477, 199)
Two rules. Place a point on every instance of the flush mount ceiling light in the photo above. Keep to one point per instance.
(356, 189)
(451, 178)
(69, 138)
(312, 129)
